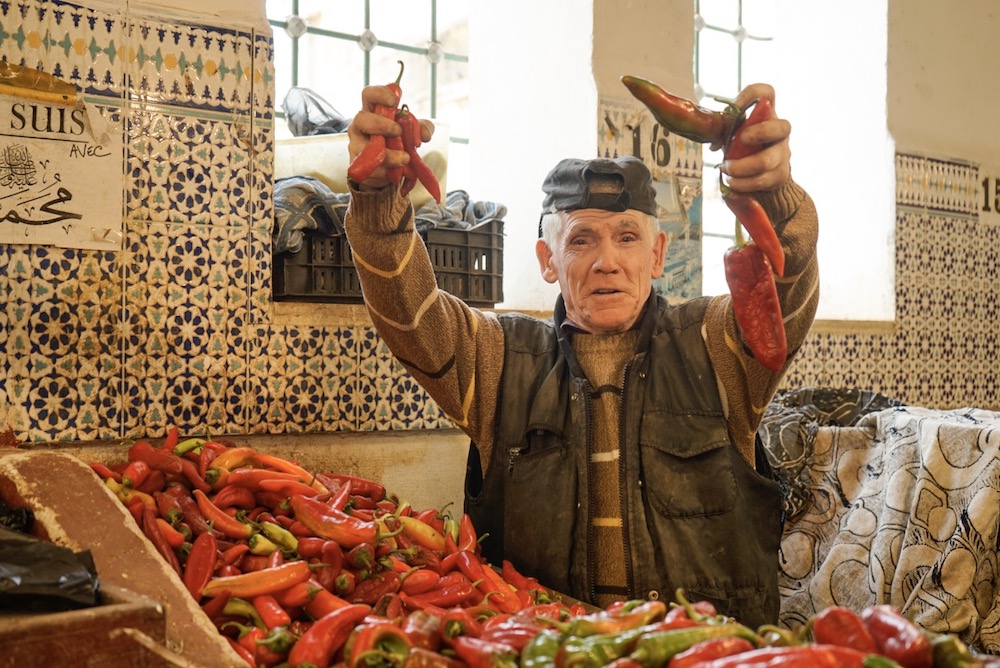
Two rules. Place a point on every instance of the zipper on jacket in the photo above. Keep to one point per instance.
(623, 510)
(591, 549)
(512, 456)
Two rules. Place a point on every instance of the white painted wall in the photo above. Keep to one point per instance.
(831, 84)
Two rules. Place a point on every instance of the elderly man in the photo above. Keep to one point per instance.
(613, 446)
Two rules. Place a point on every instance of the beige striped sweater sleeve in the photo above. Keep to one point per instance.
(453, 351)
(746, 386)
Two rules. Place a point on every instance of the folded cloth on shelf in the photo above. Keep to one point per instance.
(902, 507)
(305, 204)
(458, 210)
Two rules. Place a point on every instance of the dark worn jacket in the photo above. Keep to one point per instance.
(695, 515)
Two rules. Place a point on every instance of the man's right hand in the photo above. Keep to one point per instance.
(368, 122)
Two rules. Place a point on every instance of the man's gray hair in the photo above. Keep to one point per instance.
(552, 224)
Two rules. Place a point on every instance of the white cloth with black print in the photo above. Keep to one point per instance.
(889, 504)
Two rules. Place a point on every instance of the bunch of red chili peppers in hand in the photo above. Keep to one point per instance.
(374, 153)
(749, 267)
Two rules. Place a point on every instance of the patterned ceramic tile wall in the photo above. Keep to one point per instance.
(176, 327)
(943, 352)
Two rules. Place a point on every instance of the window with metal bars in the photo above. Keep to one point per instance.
(334, 49)
(733, 48)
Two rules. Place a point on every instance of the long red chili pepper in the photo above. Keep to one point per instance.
(411, 140)
(220, 521)
(331, 523)
(189, 509)
(291, 468)
(479, 653)
(104, 472)
(323, 601)
(154, 482)
(200, 564)
(423, 629)
(422, 534)
(173, 536)
(747, 209)
(135, 473)
(499, 592)
(232, 496)
(682, 116)
(189, 470)
(516, 635)
(709, 650)
(514, 576)
(371, 589)
(286, 487)
(735, 148)
(804, 656)
(425, 658)
(459, 621)
(155, 458)
(445, 596)
(379, 643)
(838, 625)
(373, 154)
(171, 439)
(152, 531)
(326, 636)
(361, 486)
(233, 458)
(271, 612)
(242, 652)
(265, 581)
(419, 581)
(755, 304)
(897, 637)
(751, 215)
(467, 537)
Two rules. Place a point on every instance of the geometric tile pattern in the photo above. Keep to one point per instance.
(174, 328)
(943, 352)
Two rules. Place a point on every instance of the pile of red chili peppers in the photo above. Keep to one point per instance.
(308, 569)
(374, 152)
(750, 267)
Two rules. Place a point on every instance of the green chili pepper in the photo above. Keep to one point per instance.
(238, 607)
(632, 615)
(281, 536)
(379, 645)
(540, 652)
(655, 649)
(190, 444)
(597, 650)
(950, 652)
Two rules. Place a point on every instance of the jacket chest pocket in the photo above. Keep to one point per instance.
(687, 465)
(540, 504)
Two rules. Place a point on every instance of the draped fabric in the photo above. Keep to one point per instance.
(889, 503)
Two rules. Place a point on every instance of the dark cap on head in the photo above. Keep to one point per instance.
(602, 183)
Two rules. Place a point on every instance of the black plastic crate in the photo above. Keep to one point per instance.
(467, 263)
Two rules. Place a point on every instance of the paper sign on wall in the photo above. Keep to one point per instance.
(60, 176)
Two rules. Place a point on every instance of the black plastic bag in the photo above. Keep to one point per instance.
(16, 519)
(39, 576)
(309, 114)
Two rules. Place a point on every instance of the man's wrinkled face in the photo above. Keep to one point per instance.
(604, 262)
